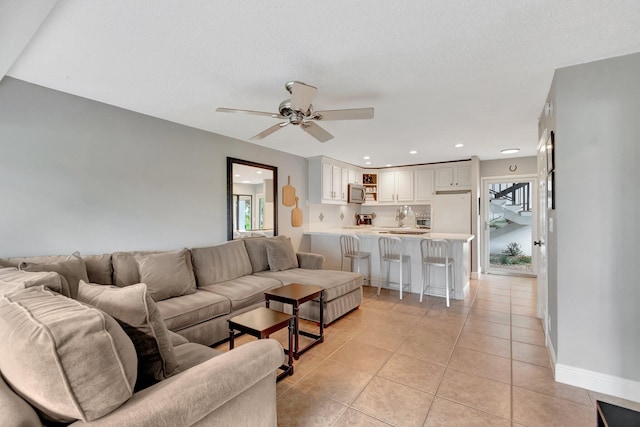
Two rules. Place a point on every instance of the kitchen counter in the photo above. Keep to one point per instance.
(327, 243)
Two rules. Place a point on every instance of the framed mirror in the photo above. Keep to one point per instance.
(252, 195)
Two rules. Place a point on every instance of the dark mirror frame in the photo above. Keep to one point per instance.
(230, 162)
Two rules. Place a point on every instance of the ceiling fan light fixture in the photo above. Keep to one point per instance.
(510, 150)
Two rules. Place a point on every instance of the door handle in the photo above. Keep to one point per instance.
(538, 243)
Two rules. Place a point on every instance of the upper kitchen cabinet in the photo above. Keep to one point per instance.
(424, 185)
(453, 178)
(329, 180)
(395, 187)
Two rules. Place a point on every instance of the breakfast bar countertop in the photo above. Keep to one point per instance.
(402, 232)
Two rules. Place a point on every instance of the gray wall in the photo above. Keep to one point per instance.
(500, 167)
(80, 175)
(597, 156)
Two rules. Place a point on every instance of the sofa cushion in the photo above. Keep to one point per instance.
(72, 269)
(220, 263)
(335, 283)
(281, 254)
(191, 354)
(68, 360)
(125, 266)
(166, 274)
(188, 310)
(12, 279)
(244, 291)
(98, 266)
(136, 312)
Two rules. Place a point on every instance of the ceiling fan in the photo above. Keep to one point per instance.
(298, 111)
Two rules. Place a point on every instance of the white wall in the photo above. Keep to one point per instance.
(508, 167)
(81, 175)
(597, 109)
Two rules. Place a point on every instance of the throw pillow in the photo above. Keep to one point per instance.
(138, 315)
(281, 254)
(257, 251)
(166, 274)
(72, 269)
(12, 279)
(68, 360)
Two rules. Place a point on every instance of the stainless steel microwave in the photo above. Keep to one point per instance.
(356, 193)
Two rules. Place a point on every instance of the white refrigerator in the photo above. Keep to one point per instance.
(451, 213)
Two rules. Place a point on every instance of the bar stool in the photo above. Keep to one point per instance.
(391, 251)
(350, 248)
(435, 253)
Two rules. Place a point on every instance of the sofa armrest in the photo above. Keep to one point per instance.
(191, 396)
(310, 261)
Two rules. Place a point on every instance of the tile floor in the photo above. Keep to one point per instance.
(481, 362)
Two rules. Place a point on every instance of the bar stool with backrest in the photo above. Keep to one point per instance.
(350, 248)
(435, 253)
(391, 251)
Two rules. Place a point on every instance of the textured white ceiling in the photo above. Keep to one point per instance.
(438, 72)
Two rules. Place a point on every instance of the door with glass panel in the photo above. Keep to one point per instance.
(510, 225)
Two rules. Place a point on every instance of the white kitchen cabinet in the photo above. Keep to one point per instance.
(453, 178)
(395, 187)
(349, 176)
(424, 185)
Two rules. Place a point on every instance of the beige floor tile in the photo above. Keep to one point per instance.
(526, 322)
(336, 381)
(302, 408)
(535, 409)
(445, 413)
(526, 302)
(394, 403)
(485, 343)
(492, 306)
(481, 364)
(364, 357)
(303, 366)
(494, 291)
(503, 299)
(436, 330)
(480, 393)
(413, 372)
(330, 345)
(445, 315)
(529, 336)
(524, 310)
(439, 310)
(386, 341)
(524, 294)
(490, 316)
(427, 350)
(487, 328)
(354, 418)
(540, 379)
(530, 353)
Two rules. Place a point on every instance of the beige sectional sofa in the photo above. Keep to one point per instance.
(193, 292)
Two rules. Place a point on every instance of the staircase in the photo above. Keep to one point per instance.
(510, 206)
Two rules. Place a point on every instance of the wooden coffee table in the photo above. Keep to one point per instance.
(297, 294)
(260, 323)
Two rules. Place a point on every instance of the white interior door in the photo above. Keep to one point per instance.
(541, 240)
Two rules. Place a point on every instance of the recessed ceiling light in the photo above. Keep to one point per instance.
(367, 163)
(237, 175)
(413, 152)
(246, 182)
(459, 145)
(259, 172)
(388, 165)
(366, 157)
(509, 150)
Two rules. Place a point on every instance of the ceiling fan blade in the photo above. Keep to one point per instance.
(350, 114)
(316, 131)
(301, 96)
(256, 113)
(269, 131)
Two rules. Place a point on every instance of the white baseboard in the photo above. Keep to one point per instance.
(552, 354)
(475, 275)
(596, 381)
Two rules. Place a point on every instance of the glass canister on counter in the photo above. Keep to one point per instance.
(406, 217)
